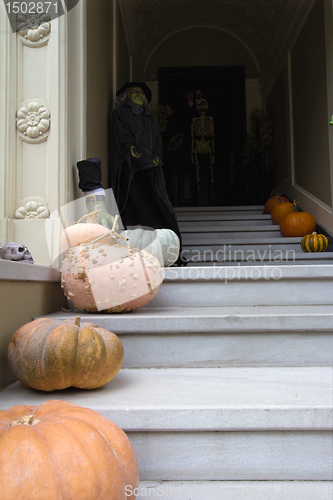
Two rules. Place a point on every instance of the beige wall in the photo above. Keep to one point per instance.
(277, 107)
(20, 301)
(108, 66)
(99, 80)
(201, 47)
(309, 107)
(124, 56)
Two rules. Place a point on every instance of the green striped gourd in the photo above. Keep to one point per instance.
(314, 243)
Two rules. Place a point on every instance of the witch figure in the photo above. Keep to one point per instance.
(135, 168)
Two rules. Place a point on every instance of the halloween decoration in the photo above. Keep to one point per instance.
(314, 243)
(61, 450)
(90, 182)
(202, 135)
(16, 252)
(52, 354)
(135, 166)
(258, 169)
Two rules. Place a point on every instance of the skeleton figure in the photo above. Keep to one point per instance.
(17, 252)
(203, 129)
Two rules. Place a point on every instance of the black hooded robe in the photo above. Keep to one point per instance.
(139, 187)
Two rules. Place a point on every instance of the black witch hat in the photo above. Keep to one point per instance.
(142, 86)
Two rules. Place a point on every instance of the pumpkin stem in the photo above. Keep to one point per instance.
(112, 233)
(296, 206)
(88, 215)
(77, 321)
(115, 223)
(25, 420)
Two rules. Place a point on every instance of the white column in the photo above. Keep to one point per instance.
(42, 105)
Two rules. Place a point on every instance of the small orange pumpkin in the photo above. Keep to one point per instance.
(272, 201)
(280, 209)
(61, 450)
(53, 354)
(297, 224)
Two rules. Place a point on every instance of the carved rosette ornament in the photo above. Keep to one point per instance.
(33, 27)
(33, 120)
(32, 209)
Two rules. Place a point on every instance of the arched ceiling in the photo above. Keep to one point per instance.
(254, 22)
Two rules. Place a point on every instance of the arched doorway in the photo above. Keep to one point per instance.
(223, 69)
(205, 135)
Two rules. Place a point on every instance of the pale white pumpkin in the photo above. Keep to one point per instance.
(110, 278)
(163, 244)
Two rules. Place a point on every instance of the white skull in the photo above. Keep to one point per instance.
(17, 252)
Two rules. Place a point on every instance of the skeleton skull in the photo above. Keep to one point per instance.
(17, 252)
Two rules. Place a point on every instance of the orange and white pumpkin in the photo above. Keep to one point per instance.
(110, 278)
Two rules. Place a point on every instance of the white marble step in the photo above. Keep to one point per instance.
(237, 242)
(230, 231)
(220, 336)
(226, 222)
(232, 208)
(208, 215)
(229, 490)
(219, 216)
(227, 236)
(246, 286)
(215, 423)
(220, 248)
(288, 257)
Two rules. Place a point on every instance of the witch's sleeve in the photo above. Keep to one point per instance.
(158, 149)
(122, 136)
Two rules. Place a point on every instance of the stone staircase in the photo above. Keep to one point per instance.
(239, 236)
(226, 388)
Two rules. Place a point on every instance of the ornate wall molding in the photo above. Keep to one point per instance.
(34, 28)
(33, 121)
(254, 22)
(32, 208)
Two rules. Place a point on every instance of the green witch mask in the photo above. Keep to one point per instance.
(136, 95)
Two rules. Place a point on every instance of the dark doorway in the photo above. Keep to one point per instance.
(203, 170)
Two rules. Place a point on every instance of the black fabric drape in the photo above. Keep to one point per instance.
(138, 185)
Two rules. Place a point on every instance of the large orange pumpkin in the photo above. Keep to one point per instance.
(272, 201)
(60, 451)
(52, 354)
(297, 224)
(280, 209)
